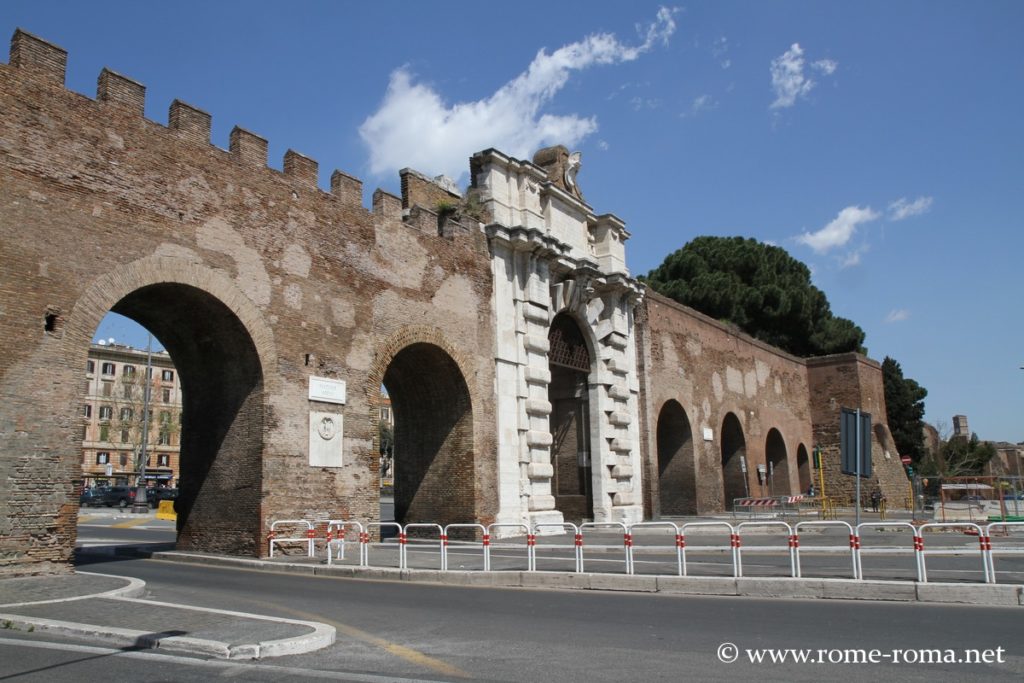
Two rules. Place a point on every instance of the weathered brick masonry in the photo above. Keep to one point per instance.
(258, 282)
(255, 280)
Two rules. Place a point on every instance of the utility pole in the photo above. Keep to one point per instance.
(140, 504)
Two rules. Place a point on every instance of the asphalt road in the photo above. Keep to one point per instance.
(419, 631)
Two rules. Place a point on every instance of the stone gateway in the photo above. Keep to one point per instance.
(532, 378)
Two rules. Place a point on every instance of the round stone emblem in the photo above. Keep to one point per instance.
(327, 428)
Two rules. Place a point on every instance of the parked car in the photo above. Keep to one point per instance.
(90, 497)
(155, 496)
(121, 496)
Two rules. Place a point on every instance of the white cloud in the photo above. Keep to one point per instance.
(897, 315)
(901, 208)
(839, 231)
(826, 66)
(415, 127)
(719, 50)
(602, 145)
(853, 258)
(788, 79)
(702, 103)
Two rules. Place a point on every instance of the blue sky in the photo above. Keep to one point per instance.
(879, 142)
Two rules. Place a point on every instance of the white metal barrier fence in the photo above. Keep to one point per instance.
(342, 533)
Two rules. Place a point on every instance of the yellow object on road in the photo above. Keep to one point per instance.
(166, 510)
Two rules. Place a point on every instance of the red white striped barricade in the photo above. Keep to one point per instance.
(658, 525)
(531, 542)
(791, 543)
(731, 548)
(302, 528)
(862, 550)
(401, 540)
(577, 541)
(425, 543)
(627, 541)
(485, 542)
(852, 539)
(338, 531)
(974, 530)
(991, 550)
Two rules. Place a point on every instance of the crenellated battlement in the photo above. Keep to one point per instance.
(46, 63)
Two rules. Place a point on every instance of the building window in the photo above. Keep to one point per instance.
(108, 369)
(126, 435)
(106, 412)
(102, 458)
(167, 395)
(90, 366)
(127, 391)
(87, 410)
(128, 370)
(104, 433)
(164, 439)
(124, 460)
(107, 388)
(163, 460)
(385, 414)
(167, 375)
(126, 414)
(85, 432)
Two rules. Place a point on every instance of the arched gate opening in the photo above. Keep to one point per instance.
(569, 395)
(677, 482)
(775, 452)
(433, 437)
(221, 377)
(734, 453)
(803, 467)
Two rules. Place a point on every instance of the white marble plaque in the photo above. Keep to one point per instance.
(325, 439)
(709, 434)
(327, 390)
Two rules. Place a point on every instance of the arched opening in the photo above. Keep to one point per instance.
(778, 464)
(734, 453)
(803, 467)
(433, 437)
(677, 483)
(221, 418)
(568, 393)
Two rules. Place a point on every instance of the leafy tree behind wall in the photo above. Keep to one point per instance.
(961, 456)
(761, 289)
(904, 405)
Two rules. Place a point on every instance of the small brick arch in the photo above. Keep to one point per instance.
(677, 480)
(776, 453)
(435, 453)
(734, 449)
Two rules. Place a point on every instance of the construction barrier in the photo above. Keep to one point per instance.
(990, 550)
(485, 542)
(963, 527)
(577, 541)
(792, 541)
(913, 549)
(303, 528)
(338, 534)
(734, 542)
(166, 510)
(853, 540)
(677, 540)
(627, 541)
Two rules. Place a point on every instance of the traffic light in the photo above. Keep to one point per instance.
(910, 470)
(817, 457)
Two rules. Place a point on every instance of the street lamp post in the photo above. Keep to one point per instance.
(140, 504)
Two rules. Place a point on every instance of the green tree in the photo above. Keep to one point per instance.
(962, 456)
(904, 405)
(761, 289)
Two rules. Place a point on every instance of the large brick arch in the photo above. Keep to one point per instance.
(435, 443)
(220, 347)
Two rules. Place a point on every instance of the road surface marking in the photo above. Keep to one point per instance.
(130, 523)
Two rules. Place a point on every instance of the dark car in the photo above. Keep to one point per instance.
(90, 497)
(121, 496)
(154, 496)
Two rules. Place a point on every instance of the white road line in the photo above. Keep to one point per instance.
(226, 668)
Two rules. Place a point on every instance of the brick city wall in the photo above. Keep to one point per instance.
(255, 279)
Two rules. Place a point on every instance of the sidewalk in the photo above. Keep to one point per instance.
(108, 609)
